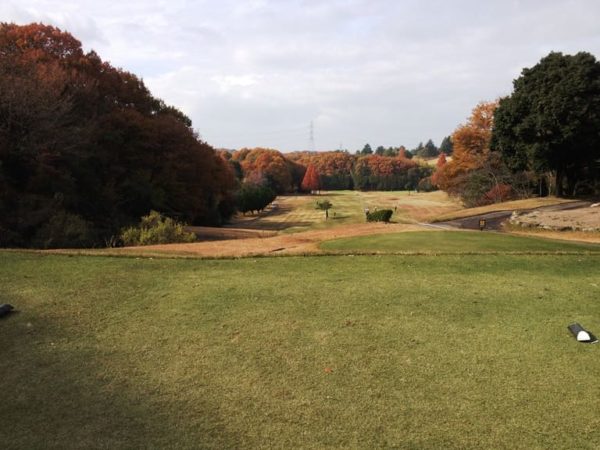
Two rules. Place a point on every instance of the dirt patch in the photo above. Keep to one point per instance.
(298, 243)
(582, 219)
(225, 233)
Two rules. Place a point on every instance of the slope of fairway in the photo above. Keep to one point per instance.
(452, 242)
(321, 352)
(298, 213)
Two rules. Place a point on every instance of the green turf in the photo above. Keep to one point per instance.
(453, 242)
(299, 213)
(322, 352)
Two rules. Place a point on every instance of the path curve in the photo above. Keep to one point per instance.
(495, 219)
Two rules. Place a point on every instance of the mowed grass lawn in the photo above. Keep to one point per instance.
(453, 242)
(299, 352)
(298, 212)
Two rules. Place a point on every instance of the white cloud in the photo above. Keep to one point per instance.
(387, 72)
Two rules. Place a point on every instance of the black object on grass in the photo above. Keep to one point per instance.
(581, 334)
(5, 309)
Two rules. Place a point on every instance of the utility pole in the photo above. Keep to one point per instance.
(311, 137)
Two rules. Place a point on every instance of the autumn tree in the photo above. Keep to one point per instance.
(311, 181)
(85, 149)
(335, 170)
(387, 173)
(474, 168)
(441, 161)
(404, 153)
(270, 164)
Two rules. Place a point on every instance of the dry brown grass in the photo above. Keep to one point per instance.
(285, 244)
(528, 203)
(297, 243)
(215, 233)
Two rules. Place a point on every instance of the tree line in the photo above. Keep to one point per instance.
(85, 149)
(335, 170)
(543, 138)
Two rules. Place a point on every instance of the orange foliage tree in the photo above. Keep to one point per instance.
(311, 181)
(376, 172)
(441, 162)
(471, 148)
(476, 174)
(334, 168)
(268, 164)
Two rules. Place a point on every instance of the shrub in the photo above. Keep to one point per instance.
(426, 185)
(64, 230)
(476, 185)
(156, 229)
(254, 197)
(324, 205)
(499, 193)
(381, 215)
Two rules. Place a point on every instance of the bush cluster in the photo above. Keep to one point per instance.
(254, 197)
(156, 229)
(324, 205)
(381, 215)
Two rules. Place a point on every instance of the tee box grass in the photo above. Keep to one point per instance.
(453, 242)
(384, 351)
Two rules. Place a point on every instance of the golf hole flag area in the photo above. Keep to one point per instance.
(381, 351)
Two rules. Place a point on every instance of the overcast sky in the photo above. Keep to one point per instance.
(387, 72)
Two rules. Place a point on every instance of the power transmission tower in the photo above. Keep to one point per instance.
(311, 137)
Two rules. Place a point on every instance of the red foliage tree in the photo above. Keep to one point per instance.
(441, 160)
(497, 194)
(85, 146)
(311, 180)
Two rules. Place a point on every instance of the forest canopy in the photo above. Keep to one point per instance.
(85, 149)
(551, 123)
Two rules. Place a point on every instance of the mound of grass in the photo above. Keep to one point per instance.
(452, 242)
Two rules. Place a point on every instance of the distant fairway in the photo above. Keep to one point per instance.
(320, 352)
(452, 242)
(298, 213)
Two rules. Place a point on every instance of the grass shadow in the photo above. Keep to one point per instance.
(63, 394)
